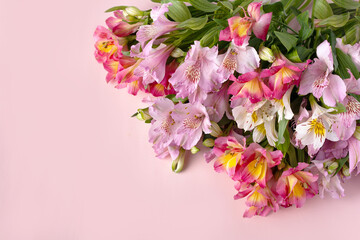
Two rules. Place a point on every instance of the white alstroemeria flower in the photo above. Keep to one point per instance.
(283, 106)
(317, 127)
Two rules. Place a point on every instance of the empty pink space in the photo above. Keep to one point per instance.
(75, 166)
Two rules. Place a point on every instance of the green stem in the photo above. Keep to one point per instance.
(283, 24)
(312, 13)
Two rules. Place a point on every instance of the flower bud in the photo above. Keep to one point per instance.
(357, 133)
(209, 142)
(143, 114)
(194, 150)
(177, 53)
(215, 130)
(346, 171)
(178, 163)
(332, 167)
(266, 54)
(134, 11)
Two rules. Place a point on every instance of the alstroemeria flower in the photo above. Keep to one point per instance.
(353, 51)
(217, 104)
(163, 126)
(240, 27)
(160, 26)
(228, 152)
(241, 59)
(119, 24)
(126, 77)
(354, 154)
(328, 182)
(152, 68)
(193, 120)
(317, 127)
(112, 67)
(261, 201)
(198, 75)
(319, 80)
(283, 74)
(256, 165)
(106, 45)
(164, 87)
(295, 186)
(249, 85)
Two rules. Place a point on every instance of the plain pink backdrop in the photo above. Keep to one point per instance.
(75, 166)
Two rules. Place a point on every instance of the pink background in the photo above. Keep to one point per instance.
(74, 165)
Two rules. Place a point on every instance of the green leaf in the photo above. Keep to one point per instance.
(292, 156)
(227, 4)
(284, 146)
(203, 5)
(289, 41)
(335, 20)
(179, 11)
(352, 35)
(341, 162)
(282, 127)
(348, 4)
(221, 22)
(340, 108)
(304, 53)
(116, 8)
(275, 8)
(322, 9)
(194, 23)
(306, 31)
(345, 63)
(211, 37)
(332, 40)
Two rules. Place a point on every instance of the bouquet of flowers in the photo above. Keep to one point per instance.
(272, 89)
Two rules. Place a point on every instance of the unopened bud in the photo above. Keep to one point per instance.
(266, 54)
(194, 150)
(215, 130)
(134, 11)
(209, 142)
(346, 171)
(357, 133)
(143, 114)
(178, 163)
(177, 53)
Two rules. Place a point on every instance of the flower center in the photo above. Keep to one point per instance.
(192, 73)
(317, 127)
(230, 61)
(166, 125)
(193, 122)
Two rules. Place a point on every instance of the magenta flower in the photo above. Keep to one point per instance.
(241, 59)
(240, 28)
(261, 201)
(106, 45)
(295, 186)
(152, 68)
(249, 85)
(283, 74)
(256, 165)
(193, 120)
(160, 26)
(119, 25)
(198, 75)
(319, 80)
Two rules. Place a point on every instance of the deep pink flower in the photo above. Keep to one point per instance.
(198, 75)
(256, 165)
(240, 28)
(106, 45)
(319, 80)
(119, 24)
(295, 186)
(249, 85)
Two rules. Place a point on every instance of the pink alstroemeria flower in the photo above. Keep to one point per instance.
(354, 154)
(152, 68)
(240, 28)
(106, 45)
(295, 186)
(241, 59)
(283, 74)
(228, 152)
(193, 120)
(119, 24)
(256, 165)
(249, 85)
(126, 77)
(160, 26)
(164, 87)
(261, 201)
(198, 75)
(217, 104)
(319, 80)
